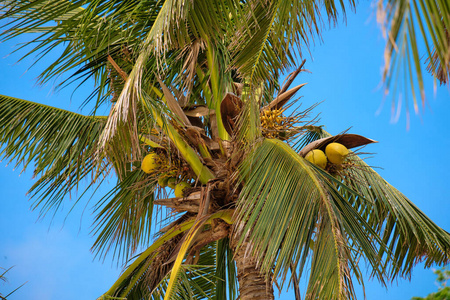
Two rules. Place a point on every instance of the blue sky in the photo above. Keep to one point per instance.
(52, 254)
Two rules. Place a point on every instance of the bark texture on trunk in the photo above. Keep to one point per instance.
(252, 284)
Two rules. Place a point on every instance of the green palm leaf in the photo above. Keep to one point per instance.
(74, 26)
(199, 281)
(393, 216)
(330, 271)
(149, 272)
(195, 281)
(225, 272)
(59, 144)
(411, 27)
(399, 222)
(287, 206)
(63, 149)
(124, 215)
(74, 31)
(269, 31)
(164, 37)
(129, 281)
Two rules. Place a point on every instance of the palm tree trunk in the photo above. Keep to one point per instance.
(252, 284)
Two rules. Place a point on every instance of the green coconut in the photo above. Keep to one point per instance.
(336, 153)
(162, 180)
(317, 157)
(180, 187)
(150, 163)
(171, 182)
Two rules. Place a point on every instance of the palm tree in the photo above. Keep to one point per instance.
(196, 105)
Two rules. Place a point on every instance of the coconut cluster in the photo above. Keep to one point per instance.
(152, 163)
(335, 153)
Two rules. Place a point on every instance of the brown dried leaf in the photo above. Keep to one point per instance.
(281, 99)
(292, 77)
(229, 109)
(349, 140)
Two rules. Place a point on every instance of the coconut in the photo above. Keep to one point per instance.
(336, 153)
(171, 182)
(317, 157)
(162, 180)
(150, 163)
(180, 187)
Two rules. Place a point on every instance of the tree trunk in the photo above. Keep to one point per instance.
(252, 284)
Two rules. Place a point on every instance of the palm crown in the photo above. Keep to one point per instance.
(193, 87)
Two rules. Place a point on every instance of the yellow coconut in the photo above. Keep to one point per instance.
(180, 187)
(336, 153)
(317, 157)
(150, 163)
(171, 182)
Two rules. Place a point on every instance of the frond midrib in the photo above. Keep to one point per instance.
(2, 97)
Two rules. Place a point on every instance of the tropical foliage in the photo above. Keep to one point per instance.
(411, 26)
(443, 292)
(196, 85)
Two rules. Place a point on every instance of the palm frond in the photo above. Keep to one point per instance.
(133, 274)
(61, 23)
(175, 25)
(269, 31)
(311, 134)
(407, 26)
(175, 273)
(394, 217)
(259, 59)
(90, 35)
(61, 146)
(219, 81)
(225, 272)
(287, 205)
(330, 273)
(124, 215)
(139, 277)
(398, 221)
(5, 280)
(194, 231)
(249, 123)
(200, 281)
(195, 281)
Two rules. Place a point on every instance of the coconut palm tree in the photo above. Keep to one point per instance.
(196, 105)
